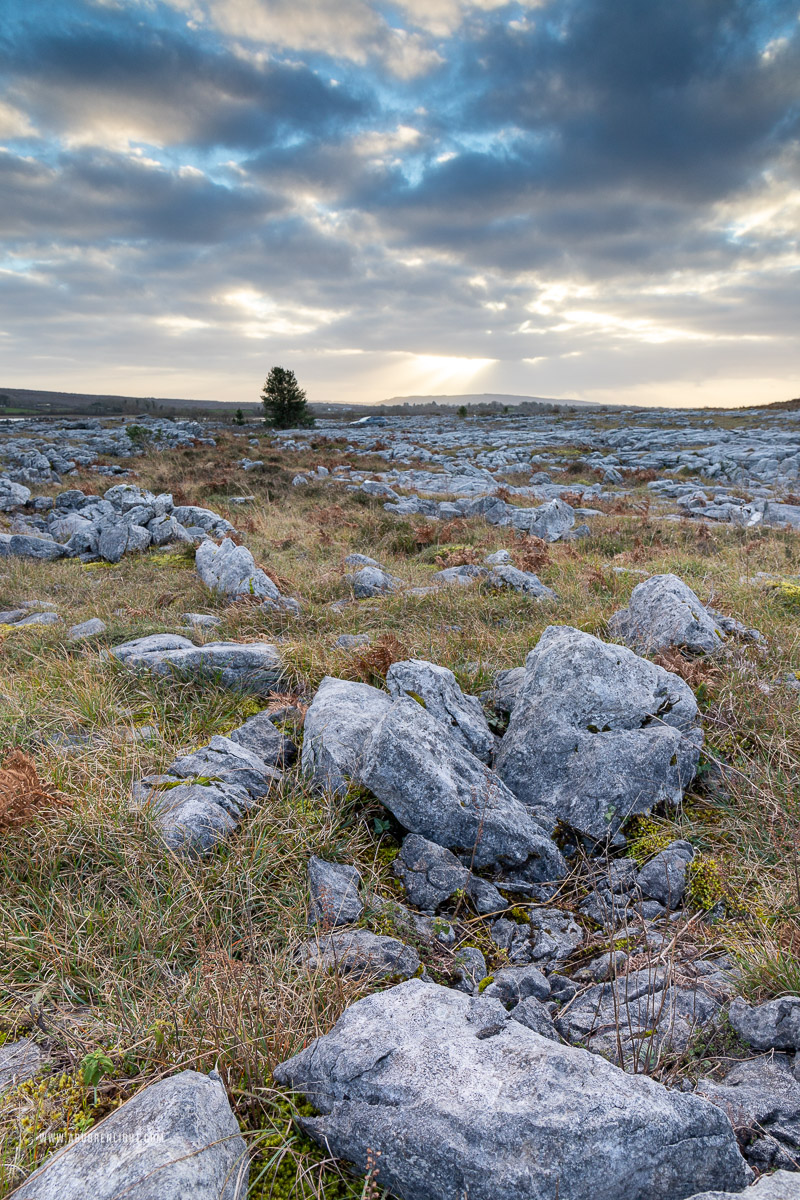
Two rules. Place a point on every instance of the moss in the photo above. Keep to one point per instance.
(171, 559)
(786, 592)
(706, 887)
(484, 983)
(288, 1165)
(51, 1112)
(646, 837)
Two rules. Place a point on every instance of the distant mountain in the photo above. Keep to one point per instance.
(488, 398)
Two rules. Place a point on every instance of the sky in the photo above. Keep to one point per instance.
(597, 199)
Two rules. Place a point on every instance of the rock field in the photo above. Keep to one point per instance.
(417, 818)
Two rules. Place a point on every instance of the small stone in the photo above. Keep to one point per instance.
(86, 629)
(533, 1014)
(360, 953)
(352, 641)
(774, 1025)
(470, 969)
(201, 620)
(664, 877)
(512, 984)
(334, 893)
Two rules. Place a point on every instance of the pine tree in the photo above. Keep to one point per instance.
(238, 417)
(285, 404)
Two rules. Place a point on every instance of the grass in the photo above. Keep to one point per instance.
(115, 953)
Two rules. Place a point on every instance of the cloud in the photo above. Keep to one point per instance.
(560, 197)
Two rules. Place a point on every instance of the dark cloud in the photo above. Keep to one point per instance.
(182, 88)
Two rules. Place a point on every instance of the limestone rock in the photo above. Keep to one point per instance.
(520, 581)
(435, 787)
(664, 612)
(337, 724)
(23, 545)
(225, 761)
(231, 571)
(774, 1025)
(506, 688)
(334, 893)
(19, 1060)
(512, 984)
(664, 877)
(360, 953)
(598, 734)
(176, 1138)
(432, 874)
(259, 735)
(460, 1099)
(372, 581)
(86, 629)
(444, 700)
(201, 520)
(241, 666)
(192, 816)
(637, 1016)
(783, 1185)
(762, 1099)
(535, 1015)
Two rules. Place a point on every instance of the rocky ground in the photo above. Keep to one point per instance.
(406, 808)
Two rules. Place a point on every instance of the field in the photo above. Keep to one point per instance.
(128, 963)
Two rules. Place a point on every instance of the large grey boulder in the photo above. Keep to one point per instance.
(335, 899)
(241, 666)
(549, 521)
(435, 787)
(461, 1100)
(783, 1185)
(598, 734)
(432, 874)
(441, 696)
(774, 1025)
(337, 724)
(231, 571)
(12, 494)
(360, 953)
(176, 1138)
(762, 1099)
(663, 612)
(664, 877)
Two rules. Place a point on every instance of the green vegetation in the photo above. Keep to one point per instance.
(284, 401)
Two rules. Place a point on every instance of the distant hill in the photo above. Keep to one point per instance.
(489, 398)
(14, 400)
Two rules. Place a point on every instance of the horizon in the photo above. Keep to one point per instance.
(464, 197)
